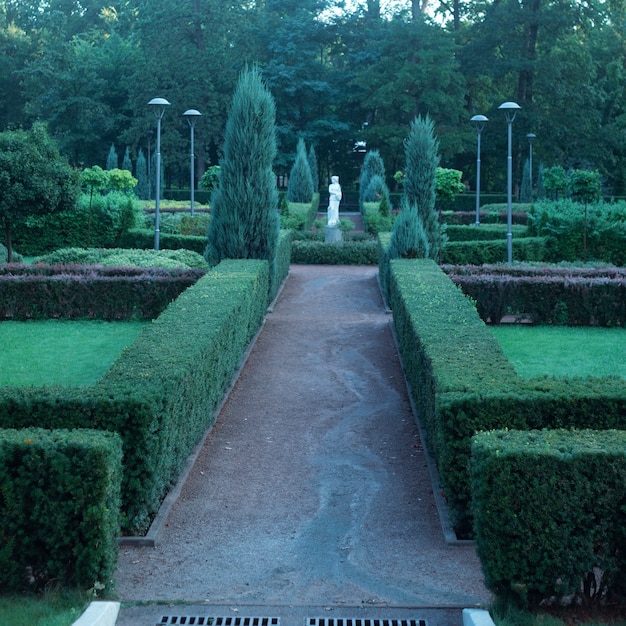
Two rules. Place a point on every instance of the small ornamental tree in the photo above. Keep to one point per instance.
(141, 173)
(554, 181)
(245, 221)
(300, 185)
(112, 160)
(584, 185)
(447, 184)
(127, 164)
(34, 178)
(121, 180)
(94, 178)
(315, 173)
(422, 160)
(372, 166)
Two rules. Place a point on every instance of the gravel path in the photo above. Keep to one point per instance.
(312, 488)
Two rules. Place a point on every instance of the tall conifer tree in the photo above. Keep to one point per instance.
(245, 221)
(300, 185)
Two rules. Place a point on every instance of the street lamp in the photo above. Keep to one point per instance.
(149, 133)
(159, 105)
(531, 137)
(479, 122)
(192, 115)
(510, 110)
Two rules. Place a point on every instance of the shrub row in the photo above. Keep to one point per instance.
(575, 231)
(75, 292)
(346, 253)
(550, 512)
(143, 238)
(572, 297)
(479, 252)
(462, 382)
(484, 232)
(488, 214)
(59, 511)
(160, 395)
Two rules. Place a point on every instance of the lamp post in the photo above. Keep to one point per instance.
(531, 137)
(149, 133)
(479, 122)
(510, 110)
(192, 115)
(159, 105)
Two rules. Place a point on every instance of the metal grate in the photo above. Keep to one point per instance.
(205, 620)
(350, 621)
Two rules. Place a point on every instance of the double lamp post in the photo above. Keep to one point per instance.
(159, 105)
(510, 111)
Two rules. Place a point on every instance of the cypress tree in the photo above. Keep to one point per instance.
(315, 173)
(141, 174)
(421, 148)
(300, 185)
(127, 164)
(245, 221)
(112, 160)
(372, 166)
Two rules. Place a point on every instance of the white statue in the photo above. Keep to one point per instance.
(334, 189)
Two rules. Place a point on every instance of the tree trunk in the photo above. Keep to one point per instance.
(526, 75)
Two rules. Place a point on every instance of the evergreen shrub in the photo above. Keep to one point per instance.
(144, 239)
(300, 187)
(491, 251)
(550, 512)
(345, 253)
(103, 225)
(59, 511)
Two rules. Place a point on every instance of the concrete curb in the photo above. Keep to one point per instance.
(99, 614)
(477, 617)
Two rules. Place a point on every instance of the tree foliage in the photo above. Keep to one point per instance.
(34, 178)
(245, 220)
(300, 185)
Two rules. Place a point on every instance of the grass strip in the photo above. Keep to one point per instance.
(61, 352)
(563, 351)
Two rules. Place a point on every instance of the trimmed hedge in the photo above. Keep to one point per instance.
(463, 383)
(162, 392)
(89, 292)
(143, 238)
(484, 233)
(574, 297)
(345, 253)
(59, 511)
(479, 252)
(550, 513)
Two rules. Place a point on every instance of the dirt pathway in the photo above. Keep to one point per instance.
(312, 488)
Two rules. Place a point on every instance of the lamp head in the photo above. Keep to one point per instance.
(510, 109)
(159, 105)
(479, 122)
(192, 115)
(531, 137)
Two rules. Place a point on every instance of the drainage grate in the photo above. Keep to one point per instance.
(349, 621)
(204, 620)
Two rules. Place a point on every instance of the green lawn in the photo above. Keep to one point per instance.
(563, 351)
(61, 352)
(50, 609)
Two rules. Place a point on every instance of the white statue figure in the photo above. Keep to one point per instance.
(334, 189)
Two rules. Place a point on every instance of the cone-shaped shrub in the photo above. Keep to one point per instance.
(315, 172)
(300, 185)
(409, 240)
(422, 160)
(245, 221)
(372, 166)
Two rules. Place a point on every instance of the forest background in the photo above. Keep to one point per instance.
(341, 73)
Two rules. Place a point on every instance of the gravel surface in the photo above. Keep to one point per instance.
(313, 487)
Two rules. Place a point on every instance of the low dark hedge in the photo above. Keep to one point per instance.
(89, 292)
(550, 513)
(574, 298)
(484, 232)
(144, 239)
(479, 252)
(160, 395)
(346, 253)
(488, 214)
(59, 511)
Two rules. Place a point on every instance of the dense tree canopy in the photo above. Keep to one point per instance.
(338, 76)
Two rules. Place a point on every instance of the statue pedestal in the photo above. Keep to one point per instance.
(333, 234)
